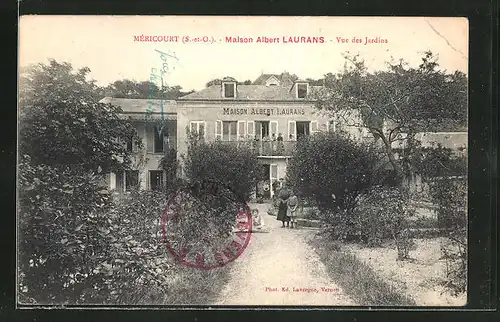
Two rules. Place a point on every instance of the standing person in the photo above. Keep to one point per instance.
(284, 194)
(281, 146)
(292, 204)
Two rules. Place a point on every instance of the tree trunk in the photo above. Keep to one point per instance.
(390, 155)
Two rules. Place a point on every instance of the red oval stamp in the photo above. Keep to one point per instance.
(206, 226)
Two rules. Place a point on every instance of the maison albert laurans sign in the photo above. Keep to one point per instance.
(263, 111)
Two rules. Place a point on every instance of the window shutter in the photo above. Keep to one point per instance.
(274, 172)
(274, 128)
(166, 144)
(202, 129)
(291, 131)
(150, 138)
(112, 181)
(314, 127)
(251, 128)
(218, 130)
(241, 133)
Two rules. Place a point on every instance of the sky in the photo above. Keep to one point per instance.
(106, 45)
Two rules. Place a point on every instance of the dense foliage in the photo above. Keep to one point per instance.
(126, 88)
(60, 214)
(333, 170)
(169, 164)
(439, 161)
(233, 166)
(450, 195)
(67, 142)
(62, 123)
(384, 214)
(137, 261)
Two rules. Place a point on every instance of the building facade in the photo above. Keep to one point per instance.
(269, 115)
(156, 125)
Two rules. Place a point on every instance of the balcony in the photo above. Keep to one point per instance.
(268, 148)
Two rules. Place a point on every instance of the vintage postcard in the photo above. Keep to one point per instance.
(213, 161)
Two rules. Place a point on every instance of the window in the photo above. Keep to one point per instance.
(229, 90)
(130, 144)
(119, 181)
(331, 126)
(158, 147)
(262, 129)
(302, 129)
(197, 127)
(301, 90)
(131, 179)
(155, 179)
(229, 131)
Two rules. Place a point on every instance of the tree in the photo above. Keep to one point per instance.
(216, 81)
(67, 141)
(145, 89)
(396, 103)
(332, 180)
(62, 123)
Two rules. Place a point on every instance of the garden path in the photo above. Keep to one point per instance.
(276, 263)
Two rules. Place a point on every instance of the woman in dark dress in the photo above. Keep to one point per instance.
(284, 194)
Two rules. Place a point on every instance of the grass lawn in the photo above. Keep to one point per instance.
(358, 279)
(374, 276)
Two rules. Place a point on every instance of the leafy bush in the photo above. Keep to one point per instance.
(384, 214)
(446, 173)
(310, 213)
(67, 141)
(438, 161)
(451, 197)
(136, 261)
(332, 170)
(169, 164)
(234, 166)
(60, 214)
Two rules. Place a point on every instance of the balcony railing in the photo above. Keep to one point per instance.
(267, 148)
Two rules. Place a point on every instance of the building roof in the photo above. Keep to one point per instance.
(247, 93)
(133, 105)
(261, 80)
(452, 140)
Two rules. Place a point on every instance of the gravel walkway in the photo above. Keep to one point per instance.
(280, 268)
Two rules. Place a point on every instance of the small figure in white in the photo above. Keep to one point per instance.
(258, 221)
(292, 204)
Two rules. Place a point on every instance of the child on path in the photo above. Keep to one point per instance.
(258, 221)
(292, 204)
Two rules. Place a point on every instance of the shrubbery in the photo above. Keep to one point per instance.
(450, 195)
(446, 174)
(233, 166)
(60, 214)
(384, 214)
(67, 141)
(332, 171)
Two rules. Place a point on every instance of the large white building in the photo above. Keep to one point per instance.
(272, 113)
